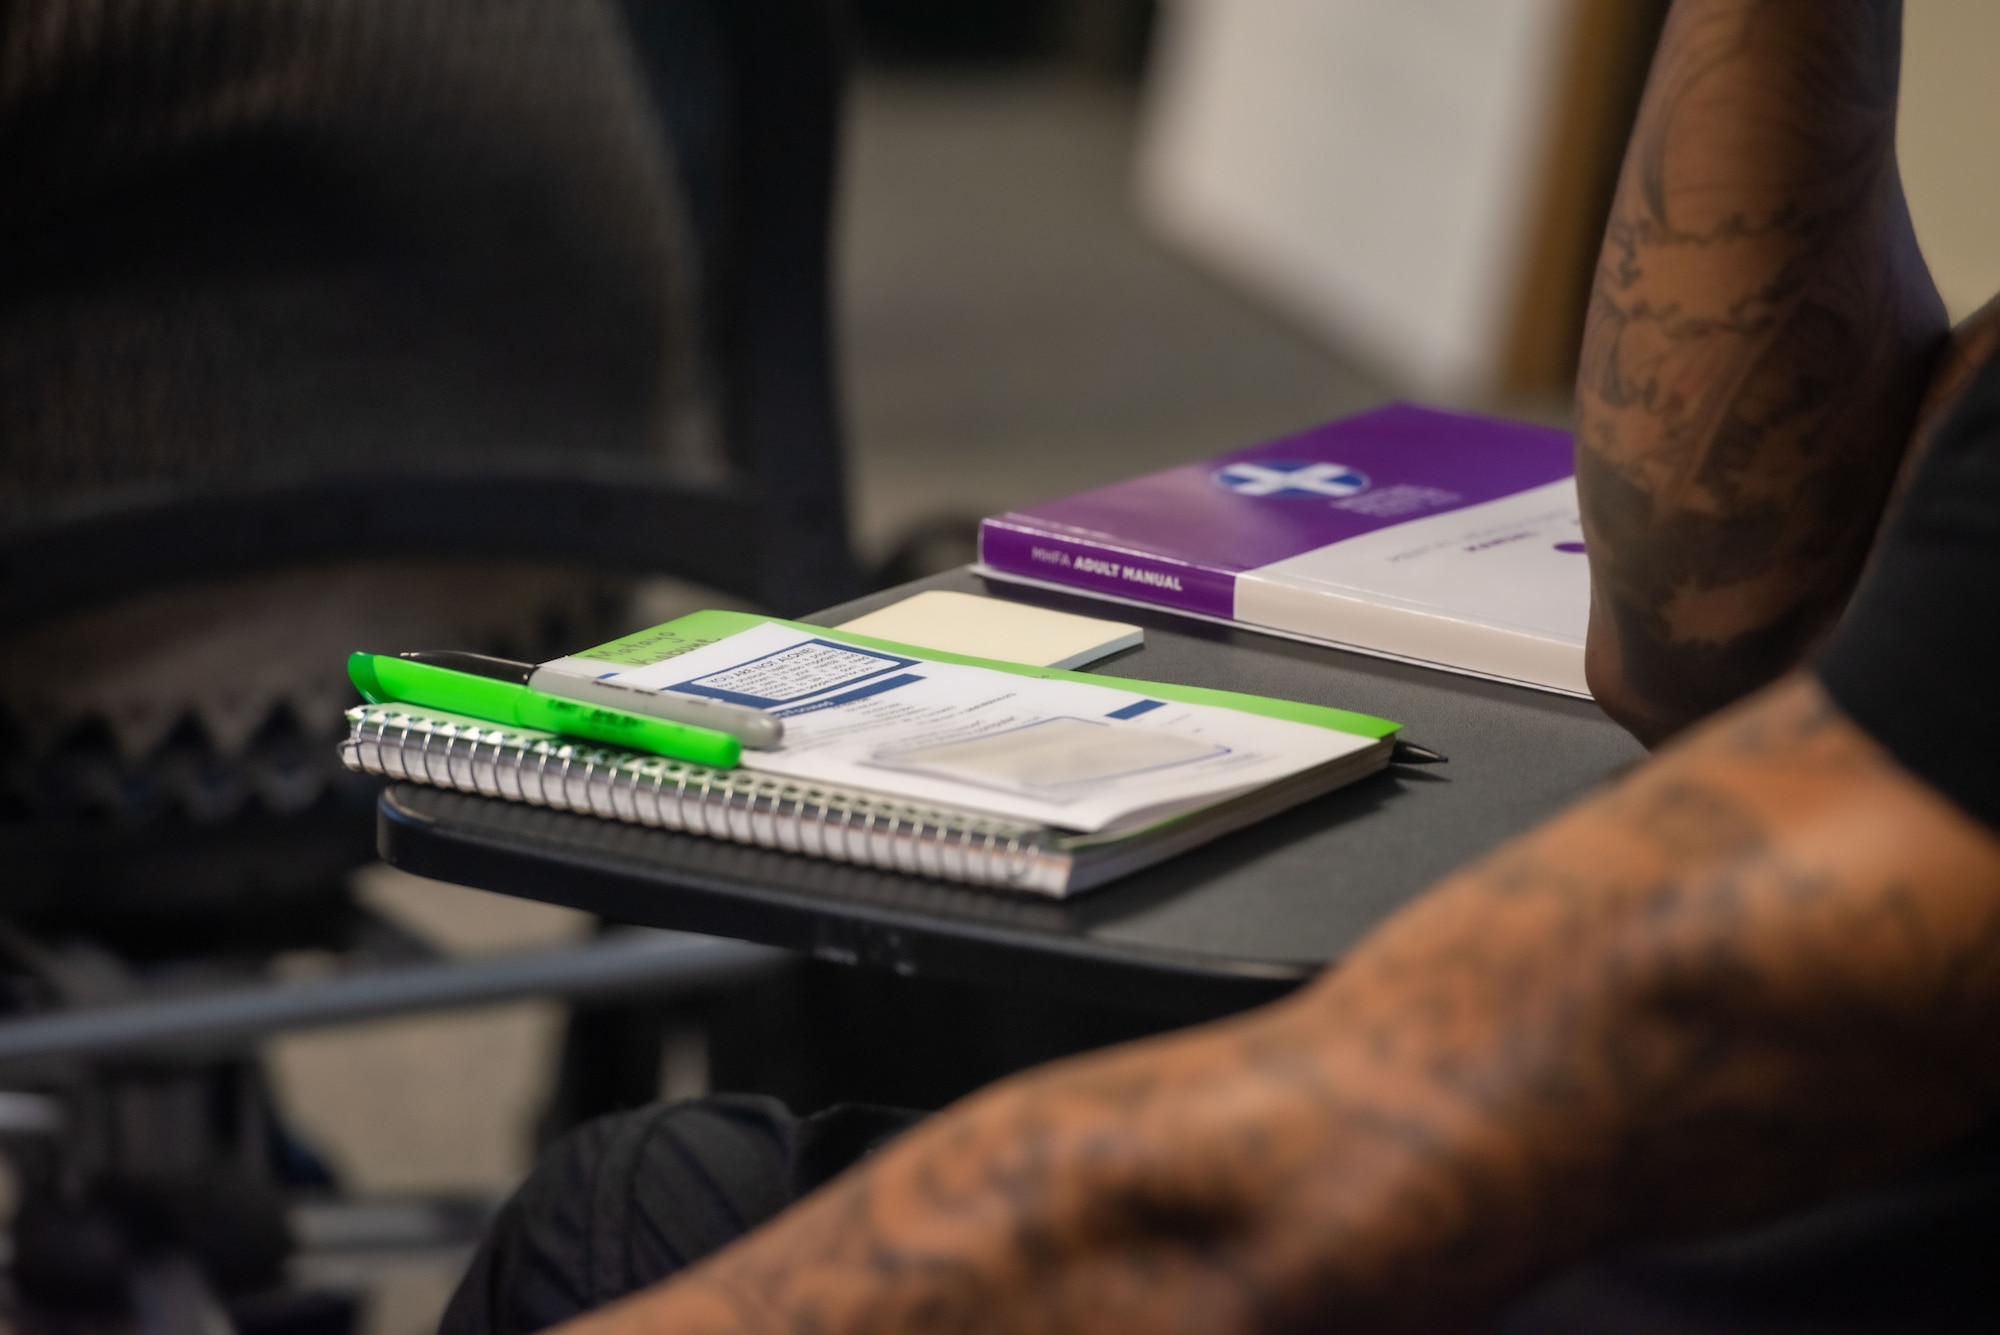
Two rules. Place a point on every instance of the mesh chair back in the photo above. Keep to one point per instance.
(289, 279)
(286, 283)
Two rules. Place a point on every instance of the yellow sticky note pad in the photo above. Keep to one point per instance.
(963, 623)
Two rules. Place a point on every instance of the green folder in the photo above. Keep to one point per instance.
(699, 629)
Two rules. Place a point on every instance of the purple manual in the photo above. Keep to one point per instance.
(1436, 537)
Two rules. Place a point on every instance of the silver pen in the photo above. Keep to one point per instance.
(752, 727)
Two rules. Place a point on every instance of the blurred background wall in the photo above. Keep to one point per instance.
(1947, 137)
(1420, 183)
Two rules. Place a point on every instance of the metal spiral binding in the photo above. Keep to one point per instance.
(740, 806)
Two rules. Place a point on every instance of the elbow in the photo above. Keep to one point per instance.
(1655, 690)
(1605, 673)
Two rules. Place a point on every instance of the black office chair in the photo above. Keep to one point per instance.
(281, 290)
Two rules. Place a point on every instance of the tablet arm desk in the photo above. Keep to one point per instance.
(1215, 930)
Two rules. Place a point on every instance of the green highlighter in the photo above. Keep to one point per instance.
(380, 678)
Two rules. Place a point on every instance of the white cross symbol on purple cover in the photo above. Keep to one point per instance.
(1291, 479)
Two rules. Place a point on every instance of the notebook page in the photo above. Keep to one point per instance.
(1061, 753)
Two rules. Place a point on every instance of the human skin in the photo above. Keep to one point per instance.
(1761, 335)
(1761, 968)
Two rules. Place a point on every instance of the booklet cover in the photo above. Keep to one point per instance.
(1069, 754)
(1060, 749)
(1442, 538)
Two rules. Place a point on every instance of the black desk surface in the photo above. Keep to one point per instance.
(1223, 927)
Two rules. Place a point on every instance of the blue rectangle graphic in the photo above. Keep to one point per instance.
(793, 674)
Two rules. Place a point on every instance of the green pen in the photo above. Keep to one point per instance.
(381, 677)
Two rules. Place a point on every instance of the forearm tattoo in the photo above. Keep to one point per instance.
(1762, 968)
(1760, 332)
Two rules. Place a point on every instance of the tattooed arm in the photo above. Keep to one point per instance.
(1760, 333)
(1762, 968)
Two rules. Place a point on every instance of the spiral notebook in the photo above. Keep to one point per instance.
(866, 828)
(847, 787)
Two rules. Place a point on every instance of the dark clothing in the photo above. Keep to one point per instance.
(1913, 663)
(1919, 1252)
(627, 1200)
(266, 242)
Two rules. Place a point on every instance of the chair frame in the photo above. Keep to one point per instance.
(761, 185)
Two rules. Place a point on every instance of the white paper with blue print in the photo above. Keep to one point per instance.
(1061, 753)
